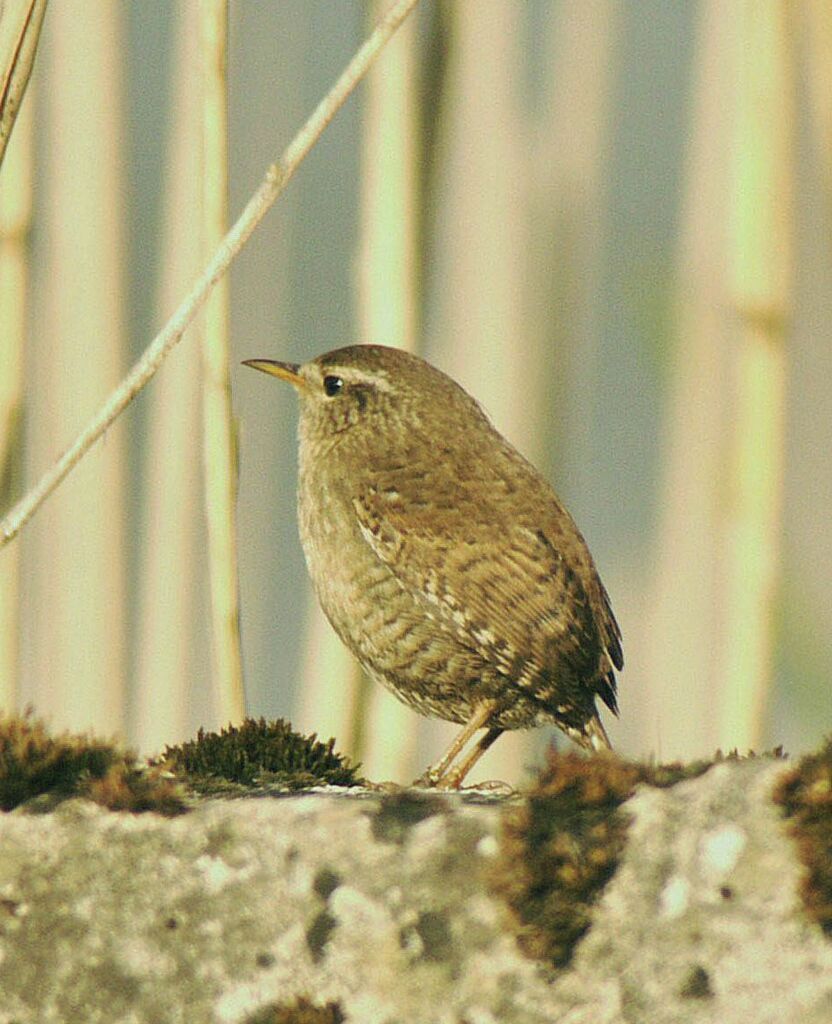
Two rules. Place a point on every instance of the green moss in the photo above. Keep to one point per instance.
(257, 753)
(805, 794)
(562, 845)
(128, 787)
(301, 1011)
(35, 764)
(697, 984)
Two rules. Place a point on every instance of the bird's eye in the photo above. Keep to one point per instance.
(333, 385)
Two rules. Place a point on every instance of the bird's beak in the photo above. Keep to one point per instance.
(290, 372)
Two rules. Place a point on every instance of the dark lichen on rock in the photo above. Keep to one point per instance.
(255, 754)
(300, 1011)
(805, 795)
(434, 930)
(398, 812)
(39, 769)
(325, 883)
(318, 934)
(562, 844)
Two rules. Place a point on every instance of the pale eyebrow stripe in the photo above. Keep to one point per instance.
(352, 376)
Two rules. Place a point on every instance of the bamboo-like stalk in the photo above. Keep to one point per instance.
(387, 267)
(683, 619)
(387, 314)
(817, 24)
(15, 219)
(167, 656)
(20, 24)
(73, 640)
(761, 257)
(275, 181)
(331, 701)
(570, 151)
(218, 446)
(480, 230)
(478, 333)
(336, 698)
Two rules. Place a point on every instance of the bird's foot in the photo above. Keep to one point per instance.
(452, 782)
(495, 787)
(429, 780)
(384, 787)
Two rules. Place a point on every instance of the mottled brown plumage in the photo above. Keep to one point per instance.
(442, 558)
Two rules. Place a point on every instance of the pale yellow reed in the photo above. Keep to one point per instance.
(219, 455)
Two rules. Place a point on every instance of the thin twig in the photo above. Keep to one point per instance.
(20, 26)
(275, 180)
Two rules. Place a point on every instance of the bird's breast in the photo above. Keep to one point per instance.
(339, 562)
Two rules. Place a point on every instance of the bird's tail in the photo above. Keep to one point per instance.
(592, 736)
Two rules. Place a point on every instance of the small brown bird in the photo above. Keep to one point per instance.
(442, 558)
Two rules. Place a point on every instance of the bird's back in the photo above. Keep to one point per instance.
(467, 535)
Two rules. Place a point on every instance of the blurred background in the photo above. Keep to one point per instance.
(609, 220)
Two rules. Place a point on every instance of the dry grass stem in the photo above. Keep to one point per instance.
(276, 178)
(20, 25)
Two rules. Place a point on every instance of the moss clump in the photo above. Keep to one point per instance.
(562, 845)
(301, 1011)
(805, 794)
(257, 753)
(128, 787)
(35, 764)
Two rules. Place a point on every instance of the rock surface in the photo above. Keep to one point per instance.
(383, 904)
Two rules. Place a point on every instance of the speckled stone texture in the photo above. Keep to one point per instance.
(382, 904)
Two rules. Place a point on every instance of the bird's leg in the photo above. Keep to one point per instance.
(592, 736)
(434, 774)
(453, 779)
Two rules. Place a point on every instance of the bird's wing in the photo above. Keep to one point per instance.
(507, 589)
(612, 631)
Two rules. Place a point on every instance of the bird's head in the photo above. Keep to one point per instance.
(368, 396)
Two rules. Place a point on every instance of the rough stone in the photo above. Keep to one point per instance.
(383, 905)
